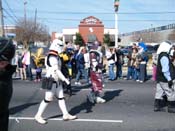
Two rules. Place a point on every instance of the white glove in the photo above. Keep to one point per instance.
(99, 71)
(67, 81)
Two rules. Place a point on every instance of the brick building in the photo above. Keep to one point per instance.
(90, 28)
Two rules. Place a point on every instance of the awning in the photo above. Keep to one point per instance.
(92, 38)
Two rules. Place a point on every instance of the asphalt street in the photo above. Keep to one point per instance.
(129, 107)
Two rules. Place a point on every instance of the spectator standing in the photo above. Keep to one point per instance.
(87, 63)
(73, 61)
(136, 63)
(80, 63)
(22, 67)
(129, 67)
(119, 62)
(111, 63)
(38, 74)
(142, 50)
(15, 63)
(27, 60)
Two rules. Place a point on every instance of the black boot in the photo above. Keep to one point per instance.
(171, 106)
(158, 105)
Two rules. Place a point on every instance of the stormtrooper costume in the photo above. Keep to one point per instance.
(96, 77)
(165, 79)
(53, 69)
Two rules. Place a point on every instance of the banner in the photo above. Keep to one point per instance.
(116, 5)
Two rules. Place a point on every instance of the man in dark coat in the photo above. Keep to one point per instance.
(7, 51)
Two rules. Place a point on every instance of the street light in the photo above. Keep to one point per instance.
(25, 3)
(116, 6)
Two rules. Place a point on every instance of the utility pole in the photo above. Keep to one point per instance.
(35, 25)
(116, 6)
(25, 41)
(35, 17)
(2, 20)
(25, 3)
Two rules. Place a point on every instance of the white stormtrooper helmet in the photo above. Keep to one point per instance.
(164, 47)
(57, 45)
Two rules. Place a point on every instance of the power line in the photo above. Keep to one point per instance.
(10, 15)
(59, 12)
(127, 20)
(62, 19)
(10, 9)
(10, 20)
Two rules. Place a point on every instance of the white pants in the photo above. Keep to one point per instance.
(57, 91)
(163, 89)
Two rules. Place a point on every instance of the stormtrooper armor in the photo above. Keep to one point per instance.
(53, 69)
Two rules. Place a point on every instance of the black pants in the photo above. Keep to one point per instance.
(4, 121)
(6, 91)
(5, 97)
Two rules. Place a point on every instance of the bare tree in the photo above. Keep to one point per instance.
(30, 31)
(171, 36)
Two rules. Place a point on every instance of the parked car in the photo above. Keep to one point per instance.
(150, 49)
(126, 50)
(156, 47)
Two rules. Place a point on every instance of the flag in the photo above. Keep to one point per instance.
(116, 5)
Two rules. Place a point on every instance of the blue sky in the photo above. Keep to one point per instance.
(133, 15)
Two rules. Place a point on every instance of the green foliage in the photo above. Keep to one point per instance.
(106, 39)
(79, 39)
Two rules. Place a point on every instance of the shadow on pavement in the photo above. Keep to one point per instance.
(109, 95)
(16, 109)
(87, 106)
(56, 116)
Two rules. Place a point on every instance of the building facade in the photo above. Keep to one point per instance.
(90, 28)
(151, 35)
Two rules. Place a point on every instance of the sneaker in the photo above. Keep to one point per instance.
(141, 81)
(77, 83)
(40, 120)
(137, 80)
(69, 117)
(100, 100)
